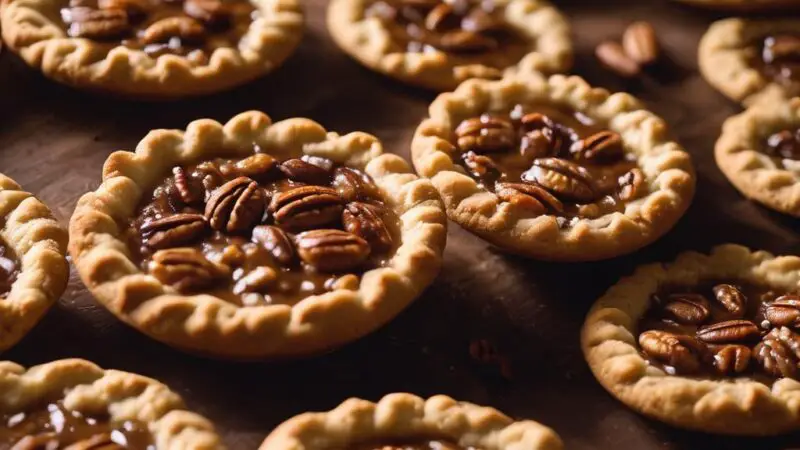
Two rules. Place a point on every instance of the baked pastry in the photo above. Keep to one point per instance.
(745, 5)
(407, 422)
(552, 168)
(153, 49)
(748, 59)
(708, 342)
(437, 44)
(33, 267)
(72, 404)
(759, 152)
(251, 239)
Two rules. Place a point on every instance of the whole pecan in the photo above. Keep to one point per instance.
(364, 220)
(731, 298)
(784, 311)
(481, 167)
(185, 28)
(631, 185)
(173, 231)
(779, 353)
(732, 359)
(186, 269)
(276, 242)
(332, 250)
(685, 353)
(529, 196)
(603, 147)
(258, 167)
(729, 332)
(563, 178)
(485, 134)
(687, 309)
(214, 13)
(353, 185)
(301, 171)
(257, 280)
(307, 207)
(96, 24)
(236, 206)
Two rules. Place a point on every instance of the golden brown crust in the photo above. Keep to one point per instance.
(368, 41)
(667, 168)
(122, 396)
(406, 416)
(40, 244)
(737, 406)
(210, 325)
(754, 173)
(33, 29)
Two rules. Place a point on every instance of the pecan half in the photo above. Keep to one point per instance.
(301, 171)
(332, 250)
(134, 8)
(96, 24)
(685, 353)
(481, 167)
(442, 17)
(779, 353)
(173, 231)
(563, 178)
(631, 185)
(485, 134)
(603, 147)
(236, 206)
(784, 311)
(354, 185)
(211, 12)
(257, 280)
(307, 207)
(258, 167)
(529, 196)
(640, 43)
(687, 309)
(613, 57)
(731, 298)
(732, 359)
(188, 192)
(186, 269)
(276, 242)
(185, 28)
(364, 220)
(729, 332)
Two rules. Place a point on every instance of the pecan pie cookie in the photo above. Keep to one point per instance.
(72, 404)
(406, 422)
(439, 43)
(153, 49)
(33, 267)
(749, 59)
(552, 168)
(252, 239)
(759, 152)
(709, 342)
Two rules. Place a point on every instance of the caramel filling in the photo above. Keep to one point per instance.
(9, 268)
(421, 445)
(550, 161)
(780, 60)
(256, 231)
(724, 329)
(783, 146)
(192, 28)
(54, 427)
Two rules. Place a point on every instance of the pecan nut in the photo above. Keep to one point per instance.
(96, 24)
(462, 41)
(481, 167)
(442, 17)
(779, 353)
(307, 207)
(785, 144)
(186, 269)
(188, 192)
(640, 43)
(258, 167)
(304, 172)
(173, 231)
(529, 196)
(784, 311)
(276, 242)
(353, 185)
(684, 353)
(563, 178)
(613, 57)
(631, 185)
(211, 12)
(687, 309)
(731, 298)
(480, 21)
(729, 332)
(364, 220)
(236, 206)
(485, 134)
(185, 28)
(785, 47)
(603, 147)
(332, 250)
(732, 359)
(257, 280)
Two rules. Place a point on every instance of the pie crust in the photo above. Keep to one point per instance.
(754, 173)
(723, 58)
(84, 387)
(406, 416)
(736, 406)
(667, 168)
(368, 41)
(32, 29)
(40, 245)
(209, 325)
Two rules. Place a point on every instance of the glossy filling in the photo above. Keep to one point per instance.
(421, 445)
(459, 27)
(723, 329)
(779, 60)
(192, 28)
(256, 231)
(550, 161)
(54, 427)
(9, 268)
(784, 147)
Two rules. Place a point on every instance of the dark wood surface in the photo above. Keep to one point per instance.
(54, 140)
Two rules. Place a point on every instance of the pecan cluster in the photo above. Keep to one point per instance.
(691, 337)
(303, 212)
(556, 155)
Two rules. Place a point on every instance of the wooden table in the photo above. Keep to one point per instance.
(54, 140)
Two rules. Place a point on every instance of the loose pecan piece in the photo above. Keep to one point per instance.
(732, 359)
(784, 311)
(685, 353)
(640, 43)
(301, 171)
(186, 269)
(276, 242)
(779, 353)
(485, 134)
(729, 332)
(332, 250)
(688, 309)
(258, 167)
(364, 220)
(173, 231)
(529, 196)
(236, 206)
(307, 207)
(185, 28)
(96, 24)
(731, 298)
(631, 185)
(352, 185)
(603, 147)
(563, 178)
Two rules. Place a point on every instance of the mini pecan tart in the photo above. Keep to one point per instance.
(750, 59)
(708, 342)
(437, 44)
(72, 404)
(403, 421)
(552, 168)
(33, 266)
(153, 49)
(759, 152)
(254, 240)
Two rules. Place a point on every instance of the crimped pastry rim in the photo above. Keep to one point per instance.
(209, 325)
(667, 168)
(40, 245)
(42, 42)
(406, 416)
(368, 42)
(85, 387)
(752, 172)
(725, 407)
